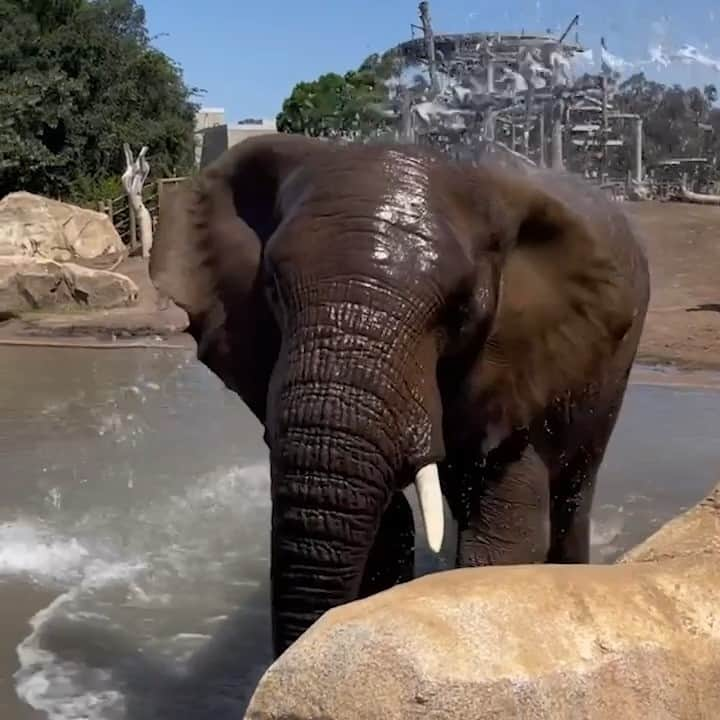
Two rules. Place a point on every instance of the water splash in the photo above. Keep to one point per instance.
(26, 549)
(689, 54)
(51, 686)
(69, 664)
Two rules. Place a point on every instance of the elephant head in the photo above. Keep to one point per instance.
(362, 300)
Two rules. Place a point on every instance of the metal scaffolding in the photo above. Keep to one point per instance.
(478, 93)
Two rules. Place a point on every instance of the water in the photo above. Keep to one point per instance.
(134, 527)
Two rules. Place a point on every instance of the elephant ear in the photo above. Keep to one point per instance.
(207, 258)
(567, 293)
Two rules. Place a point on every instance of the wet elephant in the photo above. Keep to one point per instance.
(391, 316)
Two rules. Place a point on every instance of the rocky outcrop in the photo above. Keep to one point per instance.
(28, 284)
(639, 639)
(35, 226)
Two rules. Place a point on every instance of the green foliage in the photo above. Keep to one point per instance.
(77, 79)
(384, 66)
(674, 121)
(332, 105)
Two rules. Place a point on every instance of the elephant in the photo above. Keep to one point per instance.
(391, 315)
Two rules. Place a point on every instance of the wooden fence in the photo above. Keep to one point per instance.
(120, 212)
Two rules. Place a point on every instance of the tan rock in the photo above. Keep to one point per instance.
(37, 284)
(29, 284)
(691, 534)
(99, 288)
(33, 225)
(632, 640)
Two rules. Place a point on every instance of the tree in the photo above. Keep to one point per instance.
(352, 105)
(335, 105)
(78, 78)
(674, 120)
(383, 66)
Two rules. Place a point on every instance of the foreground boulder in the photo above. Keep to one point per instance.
(640, 639)
(28, 284)
(35, 226)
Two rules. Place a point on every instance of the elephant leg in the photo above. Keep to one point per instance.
(508, 521)
(392, 557)
(574, 488)
(571, 509)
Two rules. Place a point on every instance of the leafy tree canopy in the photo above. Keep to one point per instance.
(77, 79)
(677, 121)
(348, 105)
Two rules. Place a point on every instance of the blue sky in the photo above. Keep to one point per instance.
(248, 54)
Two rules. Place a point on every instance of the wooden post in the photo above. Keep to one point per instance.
(132, 227)
(490, 126)
(639, 149)
(406, 127)
(541, 130)
(605, 125)
(160, 189)
(529, 102)
(606, 72)
(105, 207)
(556, 141)
(429, 43)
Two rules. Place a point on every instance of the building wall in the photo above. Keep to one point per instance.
(209, 117)
(214, 144)
(238, 133)
(205, 119)
(215, 135)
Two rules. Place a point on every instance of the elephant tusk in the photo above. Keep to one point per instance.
(427, 484)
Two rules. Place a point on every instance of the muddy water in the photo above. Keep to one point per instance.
(134, 517)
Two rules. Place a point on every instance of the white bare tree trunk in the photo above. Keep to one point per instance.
(133, 179)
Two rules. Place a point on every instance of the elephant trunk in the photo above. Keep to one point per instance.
(323, 524)
(344, 438)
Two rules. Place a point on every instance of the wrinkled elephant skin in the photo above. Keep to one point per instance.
(391, 316)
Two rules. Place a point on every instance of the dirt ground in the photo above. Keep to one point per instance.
(683, 247)
(682, 328)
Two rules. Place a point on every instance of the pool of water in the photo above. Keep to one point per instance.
(134, 526)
